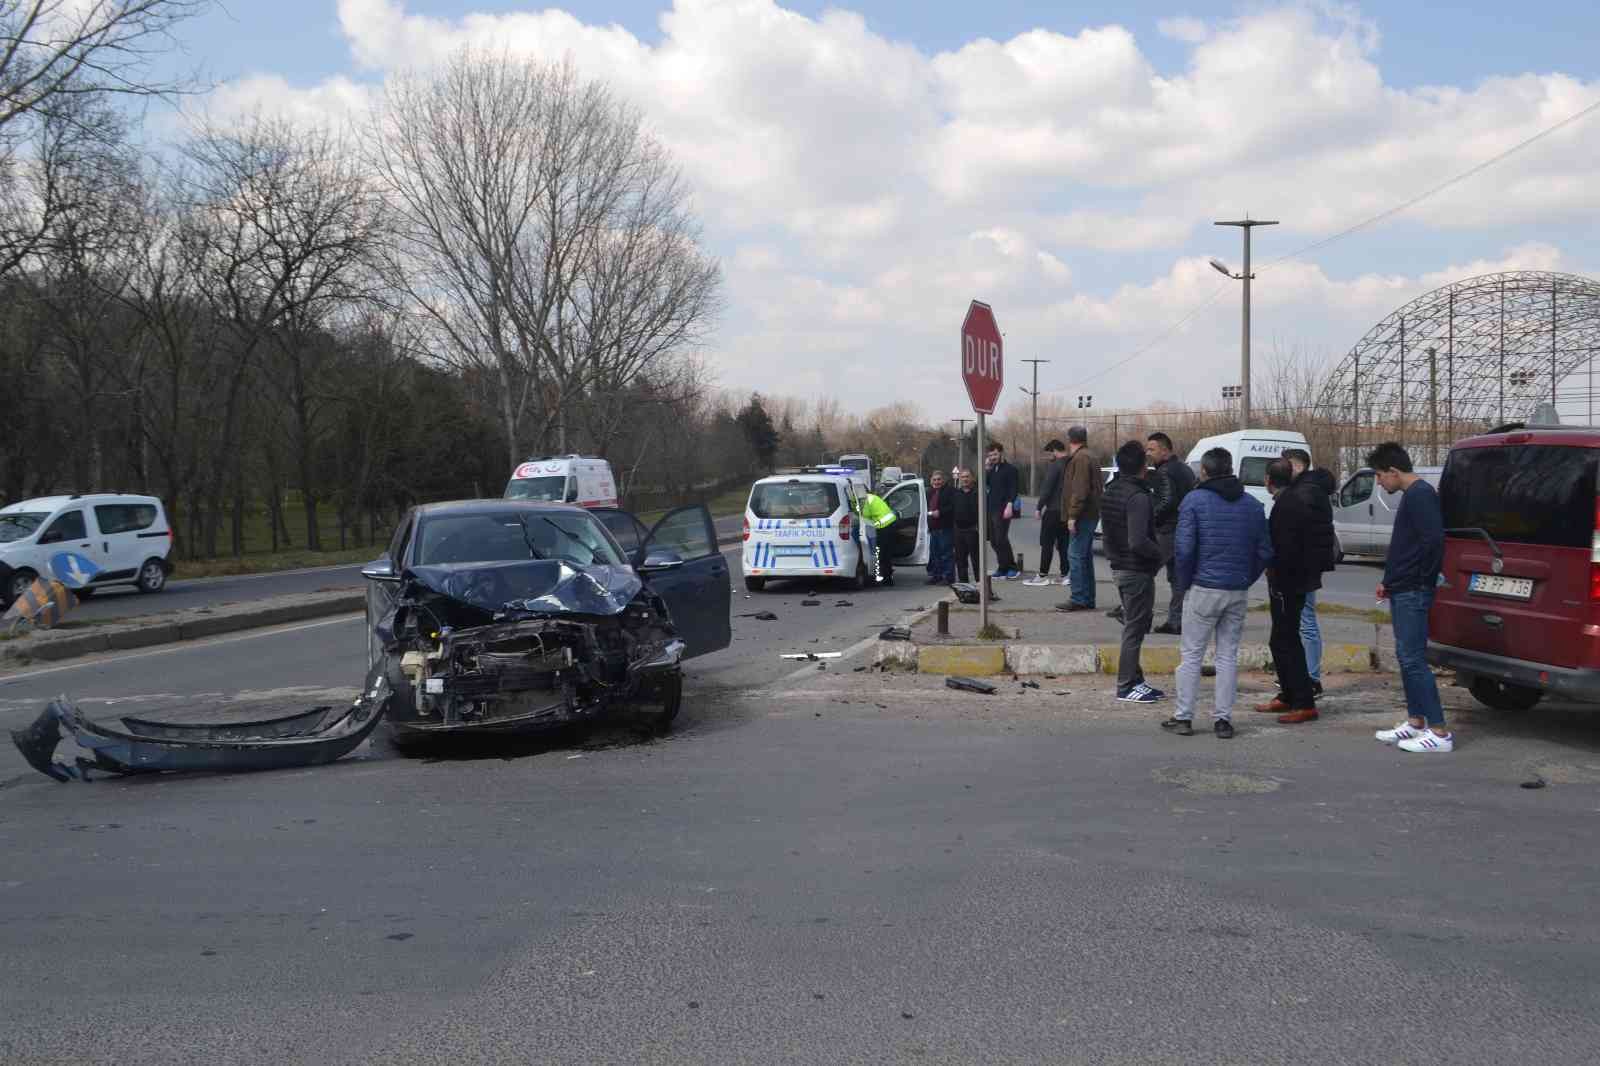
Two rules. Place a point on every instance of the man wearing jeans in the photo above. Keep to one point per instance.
(941, 531)
(1082, 485)
(1410, 576)
(1222, 548)
(1316, 487)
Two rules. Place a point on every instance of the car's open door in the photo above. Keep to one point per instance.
(909, 535)
(681, 562)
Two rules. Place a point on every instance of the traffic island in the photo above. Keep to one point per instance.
(1040, 640)
(95, 637)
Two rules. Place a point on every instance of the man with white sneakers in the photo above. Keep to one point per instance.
(1410, 576)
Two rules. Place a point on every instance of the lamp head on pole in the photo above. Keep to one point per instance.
(1222, 268)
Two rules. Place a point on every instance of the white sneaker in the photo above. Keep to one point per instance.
(1429, 741)
(1066, 582)
(1404, 731)
(1038, 581)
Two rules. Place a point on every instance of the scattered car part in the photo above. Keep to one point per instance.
(308, 738)
(969, 684)
(761, 616)
(813, 656)
(895, 633)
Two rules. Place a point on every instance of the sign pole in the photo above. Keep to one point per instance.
(983, 528)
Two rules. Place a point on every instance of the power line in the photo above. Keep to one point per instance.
(1390, 213)
(1443, 185)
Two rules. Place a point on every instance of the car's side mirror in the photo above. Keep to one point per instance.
(380, 570)
(660, 559)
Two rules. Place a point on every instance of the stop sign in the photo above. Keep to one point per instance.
(982, 368)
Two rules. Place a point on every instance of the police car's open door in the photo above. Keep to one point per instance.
(909, 540)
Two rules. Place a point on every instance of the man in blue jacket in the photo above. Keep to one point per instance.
(1222, 548)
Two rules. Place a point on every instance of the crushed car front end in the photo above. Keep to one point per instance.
(505, 647)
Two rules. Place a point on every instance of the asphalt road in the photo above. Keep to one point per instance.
(817, 866)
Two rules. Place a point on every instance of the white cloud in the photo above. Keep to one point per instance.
(861, 190)
(1183, 28)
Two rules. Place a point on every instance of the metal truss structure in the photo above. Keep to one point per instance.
(1478, 352)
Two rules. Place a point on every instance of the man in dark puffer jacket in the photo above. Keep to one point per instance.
(1316, 487)
(1127, 513)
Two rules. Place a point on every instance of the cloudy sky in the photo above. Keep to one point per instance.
(864, 170)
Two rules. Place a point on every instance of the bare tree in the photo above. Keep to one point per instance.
(543, 231)
(287, 227)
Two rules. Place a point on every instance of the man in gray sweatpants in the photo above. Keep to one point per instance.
(1222, 548)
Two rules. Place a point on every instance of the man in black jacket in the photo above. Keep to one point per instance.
(1171, 481)
(941, 530)
(1127, 515)
(1316, 487)
(1052, 527)
(1000, 491)
(964, 516)
(1296, 570)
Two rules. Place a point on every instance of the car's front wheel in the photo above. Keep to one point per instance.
(1499, 696)
(668, 693)
(152, 576)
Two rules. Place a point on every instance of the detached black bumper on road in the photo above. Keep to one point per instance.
(1575, 684)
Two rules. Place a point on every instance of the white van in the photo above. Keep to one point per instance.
(860, 468)
(805, 525)
(87, 542)
(1363, 513)
(578, 479)
(1252, 450)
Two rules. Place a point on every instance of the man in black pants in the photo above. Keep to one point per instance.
(1295, 571)
(1052, 526)
(965, 510)
(1170, 481)
(1127, 517)
(1001, 490)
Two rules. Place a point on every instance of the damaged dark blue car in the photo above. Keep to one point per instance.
(496, 616)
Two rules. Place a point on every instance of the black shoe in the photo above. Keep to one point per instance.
(1180, 726)
(1070, 607)
(1316, 689)
(1115, 612)
(1223, 729)
(1169, 629)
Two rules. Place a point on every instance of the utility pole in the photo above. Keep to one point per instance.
(1433, 404)
(961, 441)
(1246, 224)
(1033, 453)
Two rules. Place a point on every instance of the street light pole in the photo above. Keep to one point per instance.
(1246, 224)
(961, 441)
(1033, 454)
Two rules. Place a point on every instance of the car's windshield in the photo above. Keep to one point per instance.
(507, 536)
(794, 499)
(856, 464)
(552, 489)
(20, 524)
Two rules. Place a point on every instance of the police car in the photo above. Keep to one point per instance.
(804, 525)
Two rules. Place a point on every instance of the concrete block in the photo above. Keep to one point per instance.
(1348, 658)
(1053, 658)
(64, 647)
(896, 655)
(969, 660)
(143, 636)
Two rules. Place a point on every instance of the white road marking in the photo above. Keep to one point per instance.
(186, 645)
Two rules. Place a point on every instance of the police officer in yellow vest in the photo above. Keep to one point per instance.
(876, 518)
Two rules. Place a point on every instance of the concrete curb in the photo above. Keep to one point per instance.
(987, 660)
(48, 647)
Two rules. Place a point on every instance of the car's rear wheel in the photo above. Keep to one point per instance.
(1499, 696)
(862, 578)
(152, 576)
(755, 584)
(83, 593)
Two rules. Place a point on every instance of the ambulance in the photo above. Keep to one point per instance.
(578, 479)
(805, 525)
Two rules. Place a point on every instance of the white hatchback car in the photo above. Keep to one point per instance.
(94, 541)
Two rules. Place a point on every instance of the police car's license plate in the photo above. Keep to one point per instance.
(1516, 588)
(782, 550)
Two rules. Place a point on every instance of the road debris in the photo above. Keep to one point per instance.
(308, 738)
(970, 684)
(1534, 782)
(895, 633)
(844, 603)
(812, 656)
(811, 603)
(761, 616)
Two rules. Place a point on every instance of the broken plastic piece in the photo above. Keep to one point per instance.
(813, 656)
(761, 616)
(969, 684)
(895, 633)
(811, 603)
